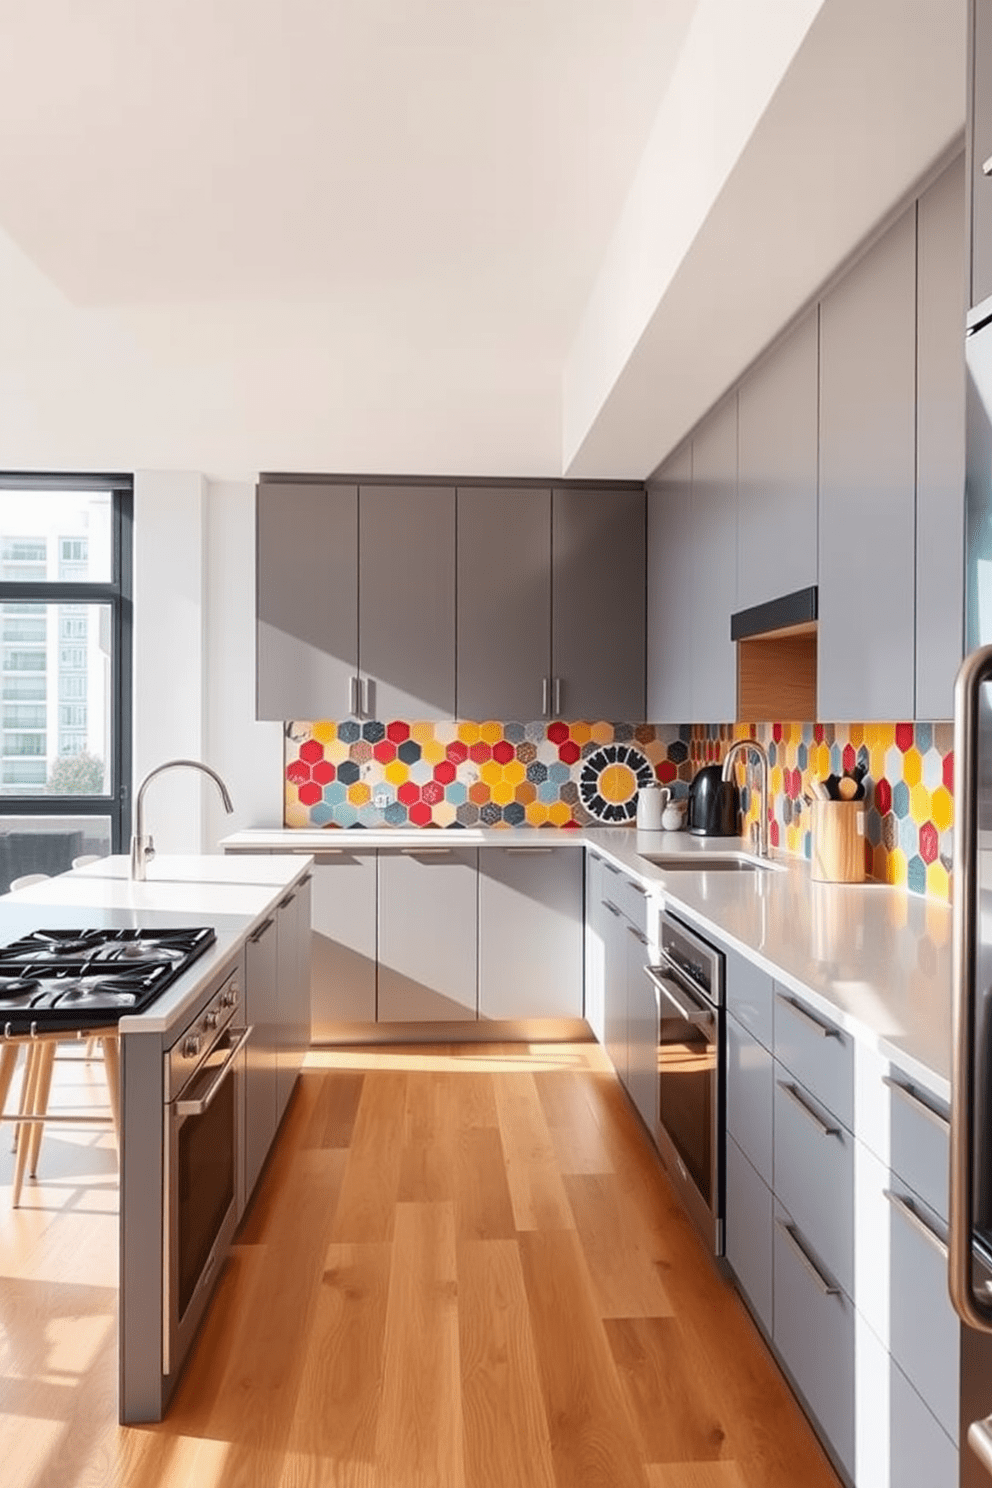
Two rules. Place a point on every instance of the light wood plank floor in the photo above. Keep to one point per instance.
(463, 1266)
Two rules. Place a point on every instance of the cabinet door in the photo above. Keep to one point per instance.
(670, 596)
(980, 121)
(293, 926)
(748, 1232)
(530, 932)
(598, 603)
(713, 564)
(615, 987)
(306, 632)
(342, 980)
(597, 929)
(504, 602)
(407, 600)
(642, 1030)
(940, 443)
(261, 1071)
(428, 934)
(776, 536)
(750, 1087)
(866, 662)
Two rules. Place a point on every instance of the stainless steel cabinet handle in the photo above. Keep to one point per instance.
(425, 852)
(823, 1285)
(263, 927)
(307, 878)
(353, 696)
(611, 867)
(908, 1094)
(975, 670)
(285, 903)
(825, 1030)
(527, 851)
(611, 907)
(366, 697)
(987, 167)
(823, 1127)
(545, 686)
(557, 697)
(911, 1214)
(980, 1441)
(632, 930)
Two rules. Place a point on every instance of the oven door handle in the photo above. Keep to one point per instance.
(197, 1107)
(680, 999)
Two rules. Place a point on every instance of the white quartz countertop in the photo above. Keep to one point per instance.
(874, 958)
(233, 895)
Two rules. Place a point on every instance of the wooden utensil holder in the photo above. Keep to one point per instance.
(838, 842)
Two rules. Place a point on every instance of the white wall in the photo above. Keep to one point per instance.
(194, 659)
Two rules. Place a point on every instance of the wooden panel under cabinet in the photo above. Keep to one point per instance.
(306, 633)
(530, 932)
(428, 934)
(504, 602)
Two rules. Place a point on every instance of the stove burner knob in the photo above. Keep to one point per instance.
(230, 998)
(192, 1046)
(211, 1019)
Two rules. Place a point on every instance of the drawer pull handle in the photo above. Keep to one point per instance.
(828, 1288)
(632, 930)
(823, 1127)
(263, 927)
(912, 1215)
(909, 1095)
(987, 167)
(307, 878)
(610, 867)
(611, 907)
(425, 852)
(825, 1030)
(526, 851)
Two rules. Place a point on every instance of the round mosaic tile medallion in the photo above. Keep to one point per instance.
(610, 779)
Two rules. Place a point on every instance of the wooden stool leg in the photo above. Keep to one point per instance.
(32, 1072)
(25, 1088)
(8, 1063)
(112, 1069)
(42, 1093)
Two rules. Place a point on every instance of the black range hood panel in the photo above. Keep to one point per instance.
(777, 614)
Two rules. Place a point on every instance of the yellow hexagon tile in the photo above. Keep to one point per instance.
(942, 808)
(491, 772)
(324, 731)
(468, 733)
(336, 751)
(422, 732)
(776, 780)
(880, 735)
(502, 792)
(396, 772)
(514, 772)
(896, 870)
(537, 813)
(876, 761)
(920, 804)
(581, 732)
(938, 881)
(433, 751)
(856, 734)
(559, 813)
(912, 766)
(359, 793)
(491, 732)
(444, 814)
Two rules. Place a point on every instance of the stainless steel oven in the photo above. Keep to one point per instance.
(203, 1169)
(691, 1102)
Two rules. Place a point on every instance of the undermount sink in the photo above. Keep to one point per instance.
(711, 863)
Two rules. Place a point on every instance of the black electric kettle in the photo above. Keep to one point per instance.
(712, 804)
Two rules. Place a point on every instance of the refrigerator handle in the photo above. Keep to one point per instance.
(973, 672)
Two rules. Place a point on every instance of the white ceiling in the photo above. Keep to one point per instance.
(332, 234)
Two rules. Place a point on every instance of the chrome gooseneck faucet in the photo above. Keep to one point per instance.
(142, 847)
(741, 746)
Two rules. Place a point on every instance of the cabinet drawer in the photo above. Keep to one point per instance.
(814, 1333)
(626, 893)
(921, 1454)
(749, 1232)
(817, 1051)
(814, 1173)
(750, 1085)
(749, 996)
(919, 1140)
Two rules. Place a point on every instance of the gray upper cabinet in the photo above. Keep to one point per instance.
(980, 130)
(598, 602)
(776, 541)
(867, 568)
(307, 599)
(406, 597)
(940, 442)
(713, 564)
(670, 597)
(504, 602)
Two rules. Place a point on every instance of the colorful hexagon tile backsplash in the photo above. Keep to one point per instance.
(464, 774)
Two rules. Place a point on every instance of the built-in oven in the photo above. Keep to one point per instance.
(203, 1166)
(688, 983)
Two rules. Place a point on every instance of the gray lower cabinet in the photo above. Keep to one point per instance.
(643, 1030)
(343, 975)
(261, 1068)
(293, 952)
(597, 929)
(504, 602)
(748, 1232)
(428, 934)
(306, 634)
(814, 1173)
(615, 1022)
(630, 1005)
(598, 602)
(866, 655)
(750, 1104)
(406, 600)
(777, 490)
(530, 932)
(671, 607)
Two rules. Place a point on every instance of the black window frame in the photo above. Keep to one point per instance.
(118, 596)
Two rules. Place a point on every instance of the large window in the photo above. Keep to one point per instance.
(65, 662)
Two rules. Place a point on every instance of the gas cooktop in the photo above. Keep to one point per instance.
(57, 981)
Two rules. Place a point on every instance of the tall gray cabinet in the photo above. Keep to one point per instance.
(867, 483)
(670, 592)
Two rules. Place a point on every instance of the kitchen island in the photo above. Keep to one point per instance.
(257, 971)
